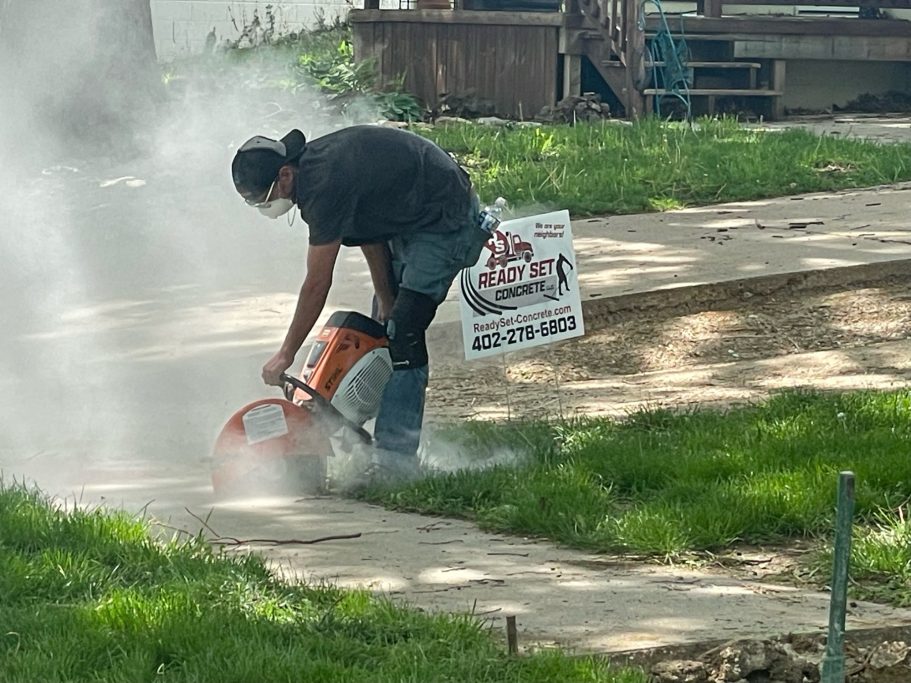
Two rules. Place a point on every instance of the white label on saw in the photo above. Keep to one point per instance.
(265, 422)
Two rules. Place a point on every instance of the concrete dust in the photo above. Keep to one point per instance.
(141, 296)
(440, 453)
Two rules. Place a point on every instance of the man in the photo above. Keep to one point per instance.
(412, 211)
(562, 262)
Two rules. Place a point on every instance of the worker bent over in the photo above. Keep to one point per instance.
(412, 211)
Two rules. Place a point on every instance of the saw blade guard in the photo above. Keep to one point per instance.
(270, 447)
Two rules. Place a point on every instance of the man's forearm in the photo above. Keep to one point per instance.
(310, 304)
(377, 256)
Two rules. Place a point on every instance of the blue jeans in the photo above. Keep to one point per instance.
(426, 263)
(398, 424)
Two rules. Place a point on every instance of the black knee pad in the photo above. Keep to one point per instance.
(412, 314)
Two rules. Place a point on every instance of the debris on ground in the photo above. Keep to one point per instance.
(808, 112)
(891, 101)
(739, 339)
(587, 107)
(792, 659)
(468, 106)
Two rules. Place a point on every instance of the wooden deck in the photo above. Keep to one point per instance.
(523, 61)
(508, 58)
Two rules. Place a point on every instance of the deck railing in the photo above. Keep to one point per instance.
(715, 8)
(616, 20)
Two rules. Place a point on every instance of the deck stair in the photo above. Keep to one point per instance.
(715, 80)
(710, 82)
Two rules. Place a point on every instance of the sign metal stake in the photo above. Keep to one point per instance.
(833, 664)
(508, 388)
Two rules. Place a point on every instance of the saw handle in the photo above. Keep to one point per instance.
(321, 401)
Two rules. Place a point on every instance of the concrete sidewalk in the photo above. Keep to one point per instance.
(574, 599)
(740, 241)
(761, 241)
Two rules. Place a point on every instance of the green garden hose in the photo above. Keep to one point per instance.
(674, 77)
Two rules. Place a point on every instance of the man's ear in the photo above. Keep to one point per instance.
(287, 177)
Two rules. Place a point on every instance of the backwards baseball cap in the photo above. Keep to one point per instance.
(259, 159)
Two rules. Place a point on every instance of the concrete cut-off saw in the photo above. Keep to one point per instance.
(285, 446)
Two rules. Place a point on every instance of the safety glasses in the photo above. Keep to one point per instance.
(256, 203)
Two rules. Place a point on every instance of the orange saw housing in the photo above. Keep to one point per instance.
(276, 446)
(344, 343)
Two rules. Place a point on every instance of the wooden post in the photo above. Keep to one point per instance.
(711, 8)
(572, 75)
(778, 83)
(615, 27)
(634, 53)
(512, 635)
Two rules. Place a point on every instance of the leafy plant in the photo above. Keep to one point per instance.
(338, 75)
(276, 59)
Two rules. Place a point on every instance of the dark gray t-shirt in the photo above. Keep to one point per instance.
(365, 184)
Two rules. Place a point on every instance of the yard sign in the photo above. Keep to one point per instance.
(524, 290)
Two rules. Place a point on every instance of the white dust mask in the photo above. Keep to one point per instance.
(276, 208)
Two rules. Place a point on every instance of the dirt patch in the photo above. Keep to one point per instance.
(814, 321)
(791, 659)
(736, 339)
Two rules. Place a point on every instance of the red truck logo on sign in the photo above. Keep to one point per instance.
(506, 247)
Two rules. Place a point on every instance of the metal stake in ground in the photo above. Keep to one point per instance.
(833, 664)
(508, 388)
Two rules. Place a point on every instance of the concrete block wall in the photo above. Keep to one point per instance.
(181, 26)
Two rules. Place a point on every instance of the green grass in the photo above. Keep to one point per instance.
(89, 596)
(666, 483)
(602, 168)
(880, 558)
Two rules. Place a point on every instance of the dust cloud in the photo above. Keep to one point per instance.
(140, 295)
(442, 453)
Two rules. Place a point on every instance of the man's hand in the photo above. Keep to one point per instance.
(272, 370)
(384, 308)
